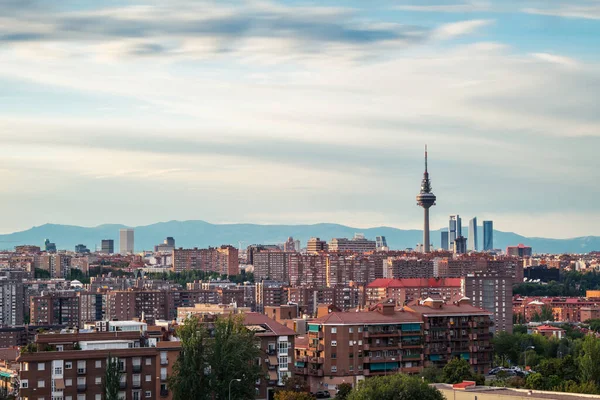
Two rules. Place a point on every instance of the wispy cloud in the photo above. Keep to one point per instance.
(556, 59)
(447, 8)
(587, 10)
(461, 28)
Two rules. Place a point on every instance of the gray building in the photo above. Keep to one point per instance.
(12, 300)
(445, 245)
(108, 246)
(488, 235)
(126, 245)
(472, 244)
(454, 229)
(460, 245)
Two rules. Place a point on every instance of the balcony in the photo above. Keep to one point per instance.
(164, 392)
(302, 359)
(315, 372)
(136, 368)
(164, 361)
(163, 378)
(122, 385)
(81, 388)
(381, 334)
(316, 360)
(80, 371)
(472, 336)
(314, 335)
(411, 370)
(136, 384)
(300, 371)
(407, 357)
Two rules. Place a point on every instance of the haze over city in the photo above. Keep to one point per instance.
(300, 112)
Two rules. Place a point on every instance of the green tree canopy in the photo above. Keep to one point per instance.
(458, 370)
(291, 395)
(112, 379)
(589, 360)
(395, 387)
(343, 391)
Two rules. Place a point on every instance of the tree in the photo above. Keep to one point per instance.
(546, 313)
(343, 391)
(112, 379)
(456, 371)
(432, 374)
(395, 387)
(188, 379)
(291, 395)
(233, 354)
(589, 360)
(295, 383)
(594, 324)
(535, 381)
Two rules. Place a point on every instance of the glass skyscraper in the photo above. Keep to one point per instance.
(488, 235)
(472, 243)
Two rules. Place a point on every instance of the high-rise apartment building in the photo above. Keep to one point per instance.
(290, 245)
(56, 264)
(108, 246)
(519, 251)
(358, 244)
(454, 229)
(126, 245)
(444, 239)
(488, 235)
(316, 245)
(223, 260)
(12, 300)
(472, 244)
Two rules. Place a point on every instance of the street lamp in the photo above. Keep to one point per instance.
(230, 382)
(528, 348)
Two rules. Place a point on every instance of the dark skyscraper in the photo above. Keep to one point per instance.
(472, 242)
(426, 199)
(488, 235)
(108, 246)
(445, 245)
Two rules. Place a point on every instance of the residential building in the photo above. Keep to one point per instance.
(316, 245)
(59, 371)
(108, 246)
(12, 299)
(126, 241)
(271, 265)
(492, 291)
(167, 246)
(123, 305)
(55, 308)
(407, 267)
(403, 291)
(549, 331)
(455, 329)
(346, 347)
(488, 235)
(358, 244)
(290, 245)
(223, 260)
(472, 244)
(27, 249)
(57, 265)
(270, 293)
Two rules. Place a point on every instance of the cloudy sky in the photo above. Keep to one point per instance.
(299, 112)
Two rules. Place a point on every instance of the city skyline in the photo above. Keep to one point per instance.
(135, 112)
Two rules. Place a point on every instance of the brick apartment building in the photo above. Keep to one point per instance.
(404, 290)
(59, 371)
(223, 260)
(455, 329)
(407, 267)
(566, 309)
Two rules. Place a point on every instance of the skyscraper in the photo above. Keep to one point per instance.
(445, 245)
(381, 243)
(488, 235)
(426, 199)
(454, 229)
(472, 239)
(126, 241)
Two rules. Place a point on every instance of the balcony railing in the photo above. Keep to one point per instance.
(137, 368)
(81, 388)
(122, 385)
(164, 361)
(136, 384)
(163, 378)
(164, 392)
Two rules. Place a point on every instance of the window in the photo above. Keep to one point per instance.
(351, 367)
(98, 363)
(283, 361)
(98, 380)
(81, 381)
(60, 347)
(68, 397)
(333, 330)
(41, 366)
(350, 343)
(359, 329)
(68, 365)
(41, 383)
(283, 347)
(81, 397)
(81, 366)
(350, 330)
(148, 378)
(334, 368)
(163, 374)
(163, 358)
(333, 356)
(136, 395)
(24, 366)
(360, 342)
(148, 361)
(58, 371)
(121, 396)
(334, 343)
(148, 394)
(98, 396)
(68, 382)
(24, 383)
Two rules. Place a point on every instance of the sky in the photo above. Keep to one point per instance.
(300, 112)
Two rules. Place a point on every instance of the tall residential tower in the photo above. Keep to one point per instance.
(426, 199)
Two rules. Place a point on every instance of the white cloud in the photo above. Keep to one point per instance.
(555, 59)
(461, 28)
(447, 8)
(568, 10)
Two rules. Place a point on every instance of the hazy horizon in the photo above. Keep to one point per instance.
(300, 112)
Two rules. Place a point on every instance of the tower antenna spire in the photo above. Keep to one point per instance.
(425, 158)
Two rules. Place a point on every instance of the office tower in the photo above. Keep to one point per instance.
(488, 235)
(454, 229)
(126, 241)
(472, 242)
(445, 245)
(519, 251)
(460, 245)
(167, 246)
(426, 199)
(290, 245)
(108, 246)
(297, 245)
(49, 246)
(81, 248)
(380, 242)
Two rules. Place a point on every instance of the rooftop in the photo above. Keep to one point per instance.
(415, 282)
(519, 393)
(256, 320)
(367, 317)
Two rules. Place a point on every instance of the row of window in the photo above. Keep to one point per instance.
(81, 364)
(136, 395)
(82, 380)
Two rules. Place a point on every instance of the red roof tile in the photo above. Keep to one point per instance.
(366, 317)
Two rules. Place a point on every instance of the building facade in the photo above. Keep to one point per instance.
(126, 241)
(488, 235)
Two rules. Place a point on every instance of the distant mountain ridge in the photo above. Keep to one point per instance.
(203, 234)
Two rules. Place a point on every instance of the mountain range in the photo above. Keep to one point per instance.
(203, 234)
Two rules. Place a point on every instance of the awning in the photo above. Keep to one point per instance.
(59, 384)
(273, 360)
(6, 374)
(273, 376)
